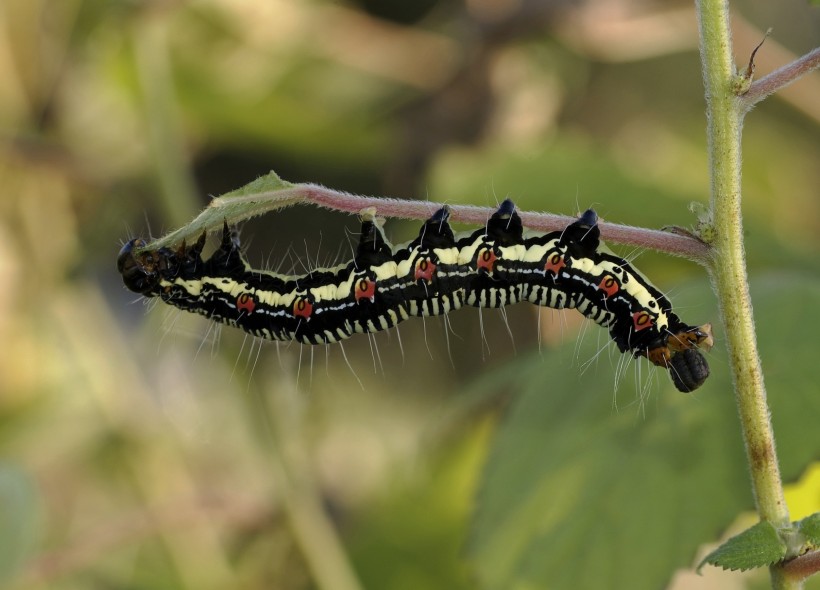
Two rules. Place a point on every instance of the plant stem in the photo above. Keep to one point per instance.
(728, 269)
(232, 209)
(804, 566)
(671, 243)
(780, 78)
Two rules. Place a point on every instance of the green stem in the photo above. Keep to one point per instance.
(728, 268)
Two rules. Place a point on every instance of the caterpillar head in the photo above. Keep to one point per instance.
(142, 270)
(139, 271)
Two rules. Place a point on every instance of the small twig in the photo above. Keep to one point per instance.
(679, 245)
(779, 79)
(804, 566)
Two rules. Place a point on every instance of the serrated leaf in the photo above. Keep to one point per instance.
(755, 547)
(18, 513)
(577, 494)
(264, 194)
(810, 528)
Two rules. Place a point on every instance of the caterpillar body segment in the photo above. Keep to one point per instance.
(436, 273)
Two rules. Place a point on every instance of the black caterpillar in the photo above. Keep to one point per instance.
(434, 274)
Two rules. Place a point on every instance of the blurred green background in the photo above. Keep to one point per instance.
(147, 449)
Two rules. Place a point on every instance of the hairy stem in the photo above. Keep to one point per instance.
(233, 208)
(728, 270)
(802, 567)
(672, 243)
(780, 78)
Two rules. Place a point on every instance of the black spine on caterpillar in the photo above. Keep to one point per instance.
(434, 274)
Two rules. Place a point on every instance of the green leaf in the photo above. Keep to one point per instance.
(589, 489)
(810, 528)
(757, 546)
(264, 194)
(18, 515)
(270, 182)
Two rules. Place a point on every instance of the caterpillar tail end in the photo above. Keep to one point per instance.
(688, 370)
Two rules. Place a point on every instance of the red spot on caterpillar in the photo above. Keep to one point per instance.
(425, 269)
(555, 263)
(302, 308)
(486, 260)
(245, 302)
(609, 285)
(642, 320)
(365, 289)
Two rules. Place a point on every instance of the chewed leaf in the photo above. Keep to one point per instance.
(264, 194)
(810, 528)
(758, 546)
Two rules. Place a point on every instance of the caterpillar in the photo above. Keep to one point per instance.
(436, 273)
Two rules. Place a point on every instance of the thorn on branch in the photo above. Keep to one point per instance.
(743, 82)
(780, 78)
(750, 69)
